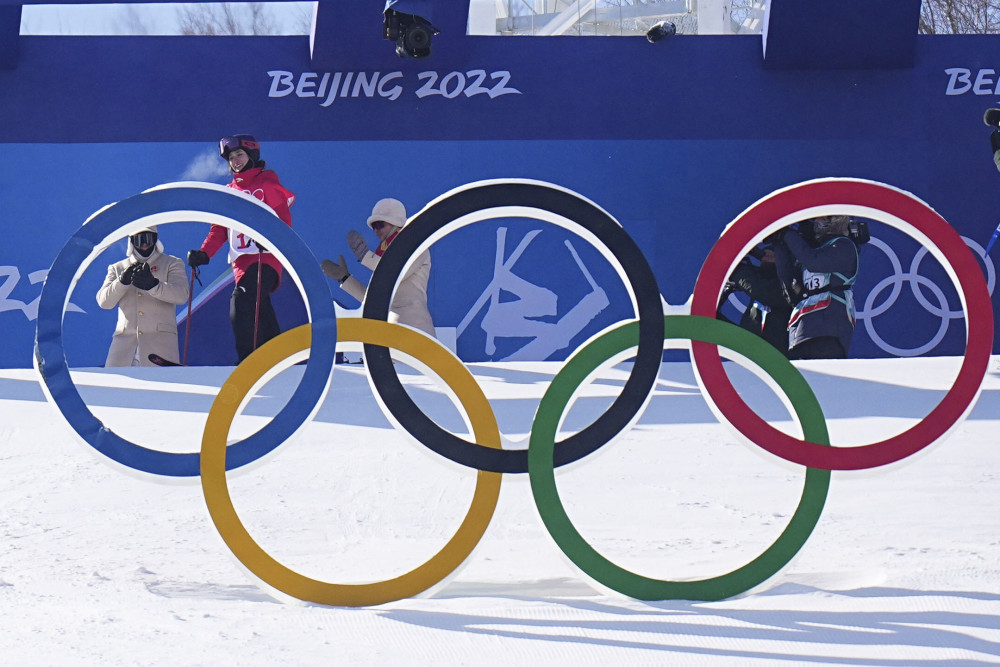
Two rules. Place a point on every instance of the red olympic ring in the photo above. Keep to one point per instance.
(865, 199)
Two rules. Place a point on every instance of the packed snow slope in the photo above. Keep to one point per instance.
(102, 566)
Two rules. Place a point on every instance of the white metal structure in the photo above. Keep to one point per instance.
(486, 17)
(544, 18)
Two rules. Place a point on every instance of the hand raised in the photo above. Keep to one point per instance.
(357, 244)
(336, 270)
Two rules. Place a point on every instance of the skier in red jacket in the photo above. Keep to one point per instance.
(257, 272)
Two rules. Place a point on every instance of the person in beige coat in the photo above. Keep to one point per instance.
(409, 303)
(146, 286)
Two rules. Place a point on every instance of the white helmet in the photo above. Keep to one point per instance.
(388, 210)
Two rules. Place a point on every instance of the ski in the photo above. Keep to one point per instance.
(160, 361)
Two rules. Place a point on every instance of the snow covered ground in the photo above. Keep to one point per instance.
(102, 567)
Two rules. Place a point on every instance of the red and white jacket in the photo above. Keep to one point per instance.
(265, 186)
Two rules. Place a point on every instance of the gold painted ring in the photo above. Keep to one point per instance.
(220, 506)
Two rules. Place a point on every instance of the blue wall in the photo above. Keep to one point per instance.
(673, 139)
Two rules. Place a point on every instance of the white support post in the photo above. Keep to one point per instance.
(713, 17)
(482, 17)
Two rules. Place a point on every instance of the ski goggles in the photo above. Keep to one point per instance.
(144, 239)
(239, 141)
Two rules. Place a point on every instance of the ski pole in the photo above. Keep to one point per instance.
(256, 309)
(993, 239)
(187, 324)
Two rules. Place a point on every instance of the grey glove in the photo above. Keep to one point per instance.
(335, 270)
(357, 243)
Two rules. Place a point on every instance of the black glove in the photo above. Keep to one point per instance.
(126, 277)
(197, 258)
(995, 145)
(776, 237)
(144, 279)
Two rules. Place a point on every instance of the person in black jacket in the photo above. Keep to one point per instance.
(817, 264)
(768, 311)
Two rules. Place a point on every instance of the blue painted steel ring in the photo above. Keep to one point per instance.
(187, 202)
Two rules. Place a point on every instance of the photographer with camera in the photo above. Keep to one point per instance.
(146, 286)
(768, 312)
(817, 264)
(992, 119)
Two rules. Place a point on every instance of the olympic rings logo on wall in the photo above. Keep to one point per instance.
(892, 207)
(915, 280)
(641, 339)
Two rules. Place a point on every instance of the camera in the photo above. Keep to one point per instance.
(661, 31)
(411, 33)
(857, 231)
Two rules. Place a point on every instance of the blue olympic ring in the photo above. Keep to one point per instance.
(184, 202)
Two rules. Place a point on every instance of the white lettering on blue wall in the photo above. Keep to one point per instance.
(327, 87)
(10, 276)
(961, 80)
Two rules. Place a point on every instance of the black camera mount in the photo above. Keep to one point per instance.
(411, 33)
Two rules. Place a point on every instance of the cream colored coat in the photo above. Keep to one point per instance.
(147, 320)
(409, 303)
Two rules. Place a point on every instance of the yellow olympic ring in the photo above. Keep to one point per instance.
(232, 530)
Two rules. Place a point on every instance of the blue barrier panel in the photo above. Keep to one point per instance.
(674, 139)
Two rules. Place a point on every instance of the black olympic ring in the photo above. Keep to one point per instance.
(432, 222)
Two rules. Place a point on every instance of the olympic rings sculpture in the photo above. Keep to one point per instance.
(220, 506)
(645, 335)
(182, 202)
(489, 199)
(543, 487)
(893, 207)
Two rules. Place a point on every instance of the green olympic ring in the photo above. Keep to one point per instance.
(541, 470)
